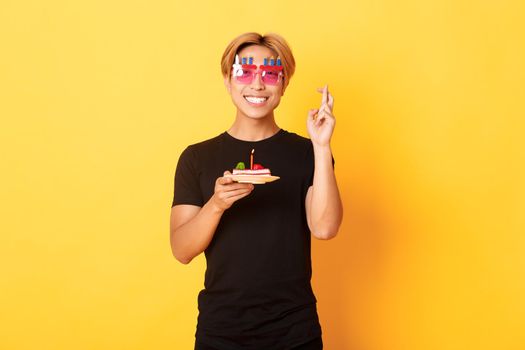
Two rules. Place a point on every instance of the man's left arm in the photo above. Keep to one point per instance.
(324, 209)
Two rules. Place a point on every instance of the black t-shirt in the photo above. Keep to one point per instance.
(257, 291)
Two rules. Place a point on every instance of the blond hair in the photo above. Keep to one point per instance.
(273, 41)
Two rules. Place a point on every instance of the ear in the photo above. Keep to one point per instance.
(228, 85)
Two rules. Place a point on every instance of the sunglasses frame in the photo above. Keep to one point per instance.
(261, 70)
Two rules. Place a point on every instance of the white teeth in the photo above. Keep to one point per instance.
(255, 99)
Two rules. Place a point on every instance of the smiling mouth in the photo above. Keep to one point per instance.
(256, 100)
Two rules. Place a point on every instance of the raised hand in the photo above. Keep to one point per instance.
(321, 121)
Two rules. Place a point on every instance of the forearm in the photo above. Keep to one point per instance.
(326, 207)
(193, 237)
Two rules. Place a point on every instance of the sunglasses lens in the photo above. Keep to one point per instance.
(244, 75)
(270, 77)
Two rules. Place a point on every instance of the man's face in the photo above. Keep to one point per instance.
(257, 88)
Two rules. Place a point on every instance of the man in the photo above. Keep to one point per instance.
(256, 238)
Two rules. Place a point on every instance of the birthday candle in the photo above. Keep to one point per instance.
(266, 61)
(251, 159)
(244, 60)
(251, 60)
(278, 60)
(272, 62)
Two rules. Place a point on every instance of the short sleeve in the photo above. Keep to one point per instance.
(186, 189)
(310, 163)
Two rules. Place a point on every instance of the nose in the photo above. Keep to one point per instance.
(257, 81)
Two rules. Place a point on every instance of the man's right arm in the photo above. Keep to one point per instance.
(192, 227)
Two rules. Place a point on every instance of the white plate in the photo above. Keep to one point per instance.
(253, 179)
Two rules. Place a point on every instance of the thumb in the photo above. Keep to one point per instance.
(225, 180)
(312, 113)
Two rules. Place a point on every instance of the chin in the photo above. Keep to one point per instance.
(256, 115)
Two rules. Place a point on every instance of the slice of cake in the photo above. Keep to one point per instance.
(257, 174)
(257, 169)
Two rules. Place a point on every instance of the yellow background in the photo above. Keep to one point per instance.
(98, 99)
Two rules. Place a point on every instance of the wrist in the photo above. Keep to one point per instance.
(215, 207)
(322, 149)
(321, 141)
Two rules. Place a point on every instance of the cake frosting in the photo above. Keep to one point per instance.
(257, 169)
